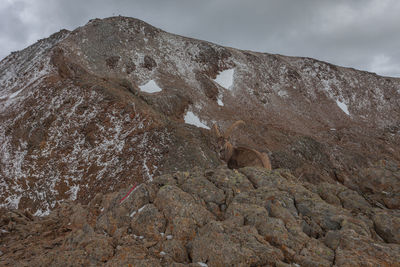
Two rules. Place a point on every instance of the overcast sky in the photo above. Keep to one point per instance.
(364, 34)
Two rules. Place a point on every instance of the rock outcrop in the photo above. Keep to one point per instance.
(214, 217)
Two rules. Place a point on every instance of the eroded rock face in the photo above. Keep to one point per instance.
(217, 217)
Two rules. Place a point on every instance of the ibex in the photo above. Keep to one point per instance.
(238, 157)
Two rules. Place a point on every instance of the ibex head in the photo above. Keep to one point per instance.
(238, 157)
(224, 146)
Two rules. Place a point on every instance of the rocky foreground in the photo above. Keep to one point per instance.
(215, 217)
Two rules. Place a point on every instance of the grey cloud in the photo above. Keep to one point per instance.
(13, 33)
(11, 24)
(354, 33)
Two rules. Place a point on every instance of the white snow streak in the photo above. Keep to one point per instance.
(140, 210)
(343, 107)
(219, 101)
(133, 213)
(41, 213)
(73, 191)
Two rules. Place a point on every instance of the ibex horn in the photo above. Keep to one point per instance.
(264, 159)
(228, 132)
(215, 130)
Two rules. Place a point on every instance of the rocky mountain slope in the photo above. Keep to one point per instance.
(118, 102)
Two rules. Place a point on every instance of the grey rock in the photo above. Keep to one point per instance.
(204, 189)
(174, 202)
(148, 222)
(387, 225)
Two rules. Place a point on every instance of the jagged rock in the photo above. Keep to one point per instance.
(271, 218)
(381, 183)
(261, 177)
(315, 254)
(204, 189)
(358, 250)
(387, 225)
(79, 216)
(148, 222)
(176, 250)
(182, 228)
(141, 196)
(174, 203)
(312, 206)
(220, 245)
(100, 250)
(135, 262)
(235, 184)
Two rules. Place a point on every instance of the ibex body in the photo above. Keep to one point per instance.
(238, 157)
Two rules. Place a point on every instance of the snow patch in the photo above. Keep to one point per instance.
(225, 78)
(150, 87)
(13, 95)
(202, 264)
(191, 118)
(343, 107)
